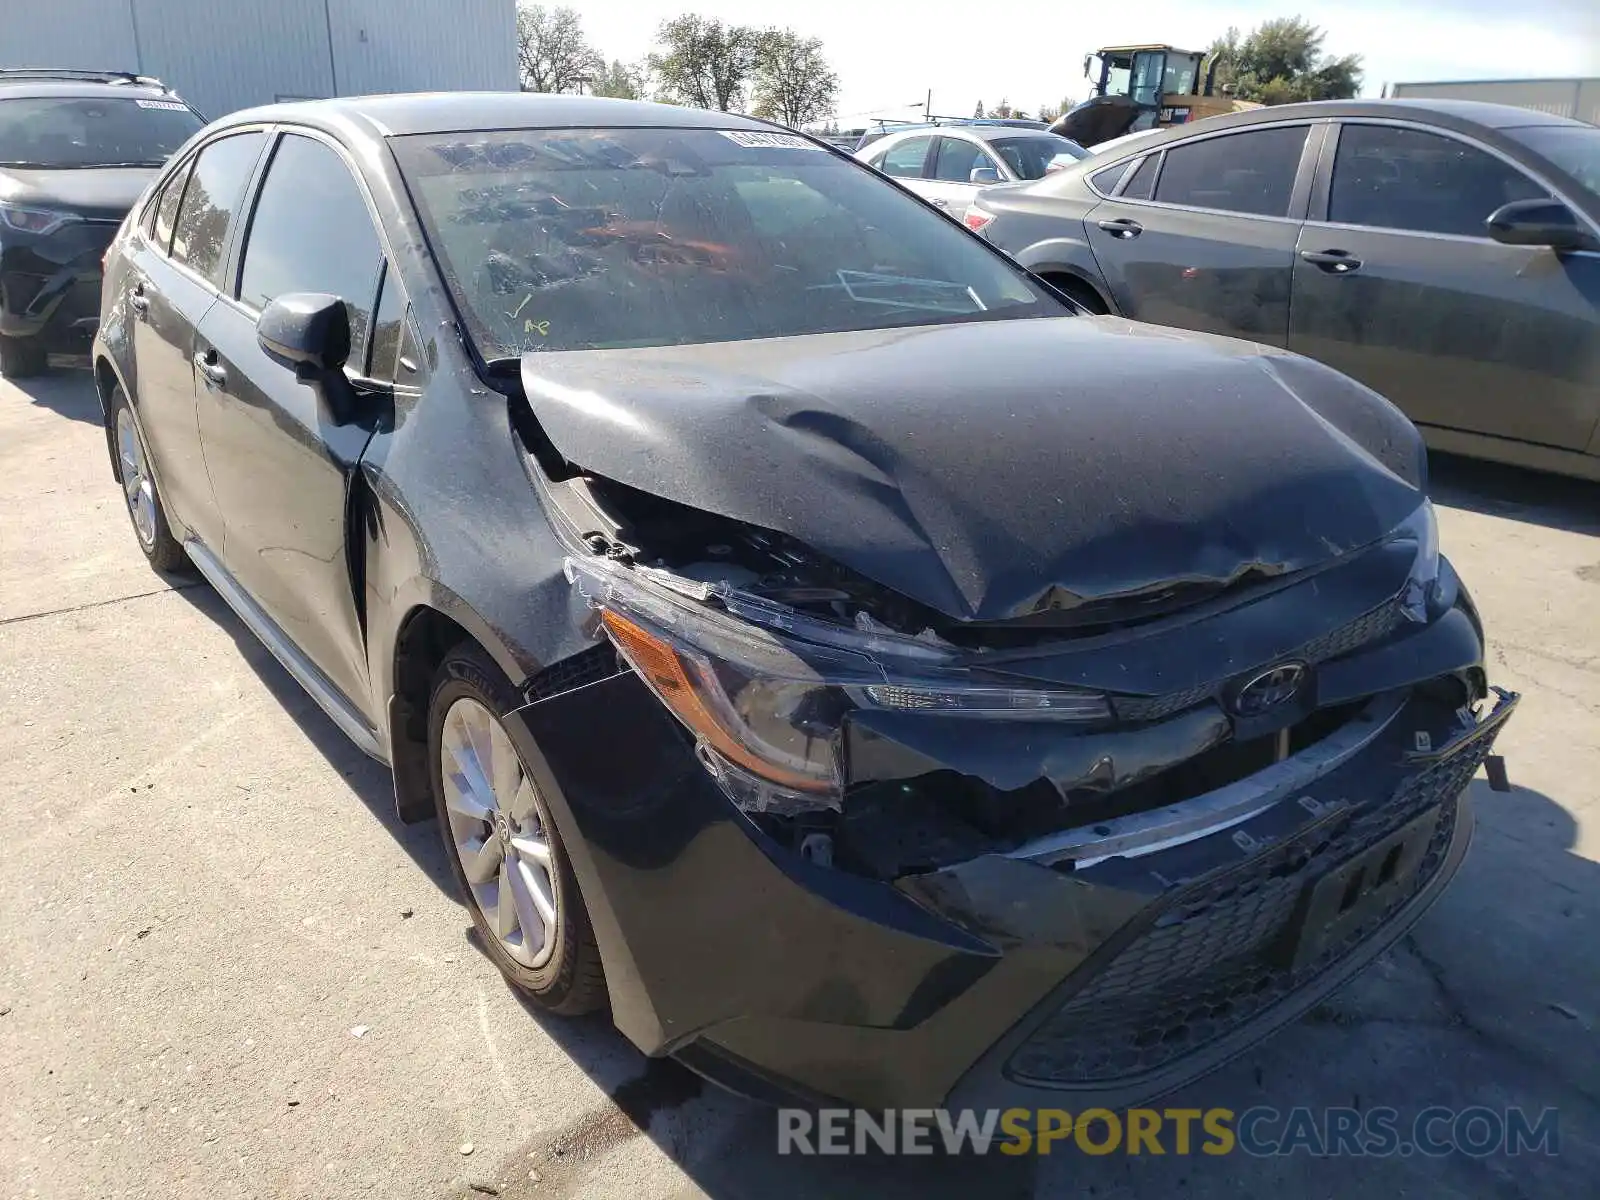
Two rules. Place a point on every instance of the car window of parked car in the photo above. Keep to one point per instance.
(904, 159)
(1389, 177)
(387, 323)
(581, 239)
(92, 131)
(164, 212)
(1037, 156)
(1251, 173)
(1573, 148)
(312, 232)
(212, 197)
(1144, 178)
(957, 159)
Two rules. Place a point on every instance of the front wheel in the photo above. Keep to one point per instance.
(502, 844)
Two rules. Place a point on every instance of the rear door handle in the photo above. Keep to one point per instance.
(1334, 262)
(212, 371)
(1122, 228)
(937, 202)
(139, 302)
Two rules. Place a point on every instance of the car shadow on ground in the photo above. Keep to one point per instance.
(1495, 489)
(369, 780)
(1490, 1000)
(66, 389)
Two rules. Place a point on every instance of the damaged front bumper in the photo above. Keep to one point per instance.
(1113, 961)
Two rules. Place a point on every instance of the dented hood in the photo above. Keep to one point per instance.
(996, 469)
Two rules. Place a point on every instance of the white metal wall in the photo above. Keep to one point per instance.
(223, 55)
(1578, 98)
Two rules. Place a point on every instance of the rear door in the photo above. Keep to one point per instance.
(1203, 237)
(174, 270)
(281, 463)
(1398, 284)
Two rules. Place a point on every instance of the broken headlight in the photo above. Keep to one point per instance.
(765, 689)
(1421, 527)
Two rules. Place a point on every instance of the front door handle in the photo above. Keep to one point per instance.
(1334, 262)
(1122, 227)
(210, 369)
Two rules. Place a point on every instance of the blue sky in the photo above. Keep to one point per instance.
(1031, 51)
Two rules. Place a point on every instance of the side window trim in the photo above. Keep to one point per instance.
(1323, 193)
(178, 177)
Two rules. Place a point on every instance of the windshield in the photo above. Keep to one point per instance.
(1037, 156)
(581, 239)
(76, 131)
(1573, 148)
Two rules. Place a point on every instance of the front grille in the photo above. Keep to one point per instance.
(1213, 960)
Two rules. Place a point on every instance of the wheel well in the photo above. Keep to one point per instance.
(105, 382)
(425, 638)
(1077, 288)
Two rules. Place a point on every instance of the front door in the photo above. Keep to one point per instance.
(281, 463)
(1402, 288)
(1212, 247)
(951, 186)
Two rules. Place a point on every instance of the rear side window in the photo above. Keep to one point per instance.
(957, 160)
(904, 160)
(337, 252)
(1251, 173)
(1388, 177)
(167, 209)
(1106, 181)
(1143, 179)
(215, 192)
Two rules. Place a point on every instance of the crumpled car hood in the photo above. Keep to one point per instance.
(999, 469)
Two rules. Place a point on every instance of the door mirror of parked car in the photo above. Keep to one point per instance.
(307, 331)
(1539, 223)
(984, 175)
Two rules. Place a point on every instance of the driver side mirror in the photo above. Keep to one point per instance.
(983, 176)
(1538, 223)
(308, 332)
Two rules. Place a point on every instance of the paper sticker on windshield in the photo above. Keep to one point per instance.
(751, 139)
(165, 105)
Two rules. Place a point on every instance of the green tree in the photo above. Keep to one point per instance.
(1049, 112)
(622, 81)
(1002, 110)
(552, 53)
(701, 61)
(1281, 61)
(793, 83)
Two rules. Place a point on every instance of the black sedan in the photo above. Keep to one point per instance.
(1446, 253)
(871, 677)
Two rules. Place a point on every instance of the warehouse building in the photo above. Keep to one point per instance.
(1578, 98)
(223, 55)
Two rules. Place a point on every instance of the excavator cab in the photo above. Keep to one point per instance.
(1143, 87)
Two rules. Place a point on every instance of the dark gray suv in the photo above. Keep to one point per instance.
(1447, 254)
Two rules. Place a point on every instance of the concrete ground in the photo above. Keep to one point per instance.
(226, 970)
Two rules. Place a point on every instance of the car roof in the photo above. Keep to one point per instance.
(460, 112)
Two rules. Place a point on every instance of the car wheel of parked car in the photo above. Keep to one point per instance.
(1076, 289)
(502, 844)
(22, 357)
(139, 489)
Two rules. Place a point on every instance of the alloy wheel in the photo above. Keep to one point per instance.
(497, 833)
(137, 486)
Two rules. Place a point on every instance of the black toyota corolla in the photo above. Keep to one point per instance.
(872, 678)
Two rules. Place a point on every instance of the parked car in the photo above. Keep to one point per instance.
(1444, 253)
(817, 642)
(950, 164)
(884, 128)
(76, 150)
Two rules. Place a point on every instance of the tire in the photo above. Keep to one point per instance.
(1078, 291)
(144, 505)
(21, 358)
(515, 847)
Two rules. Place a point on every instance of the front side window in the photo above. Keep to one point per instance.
(958, 159)
(1573, 148)
(1037, 156)
(904, 159)
(1390, 177)
(212, 197)
(66, 132)
(383, 355)
(337, 252)
(597, 238)
(1250, 173)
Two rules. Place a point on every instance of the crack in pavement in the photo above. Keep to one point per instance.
(56, 612)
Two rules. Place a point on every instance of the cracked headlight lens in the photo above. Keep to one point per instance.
(1422, 528)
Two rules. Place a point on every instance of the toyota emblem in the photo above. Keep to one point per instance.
(1274, 686)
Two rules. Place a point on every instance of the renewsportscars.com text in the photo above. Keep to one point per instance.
(1379, 1132)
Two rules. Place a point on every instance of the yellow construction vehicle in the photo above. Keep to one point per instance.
(1144, 87)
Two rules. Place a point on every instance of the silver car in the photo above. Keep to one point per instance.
(951, 164)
